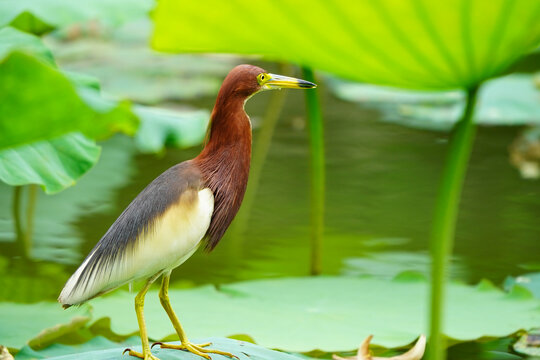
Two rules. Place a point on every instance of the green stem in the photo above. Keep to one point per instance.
(317, 171)
(24, 231)
(260, 152)
(16, 210)
(444, 222)
(30, 210)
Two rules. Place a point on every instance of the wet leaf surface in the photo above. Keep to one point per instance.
(55, 164)
(106, 350)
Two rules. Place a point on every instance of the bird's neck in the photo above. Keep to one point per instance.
(224, 164)
(227, 152)
(229, 136)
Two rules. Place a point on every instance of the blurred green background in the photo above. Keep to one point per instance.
(385, 151)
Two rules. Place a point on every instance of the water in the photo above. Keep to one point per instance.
(381, 186)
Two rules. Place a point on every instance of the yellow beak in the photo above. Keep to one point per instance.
(280, 81)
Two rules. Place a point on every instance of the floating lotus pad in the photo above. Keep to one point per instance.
(327, 313)
(103, 349)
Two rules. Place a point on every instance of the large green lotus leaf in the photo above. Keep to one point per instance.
(510, 100)
(103, 349)
(410, 43)
(55, 164)
(12, 39)
(161, 127)
(327, 313)
(96, 345)
(22, 322)
(50, 107)
(38, 16)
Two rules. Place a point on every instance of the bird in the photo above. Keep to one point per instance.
(190, 204)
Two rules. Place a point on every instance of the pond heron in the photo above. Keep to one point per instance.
(191, 203)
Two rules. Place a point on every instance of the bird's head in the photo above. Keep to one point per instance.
(246, 80)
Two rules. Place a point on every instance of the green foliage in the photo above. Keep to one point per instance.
(160, 128)
(327, 313)
(317, 172)
(445, 219)
(414, 44)
(510, 100)
(498, 349)
(529, 281)
(51, 107)
(55, 164)
(101, 348)
(39, 17)
(21, 322)
(12, 39)
(97, 346)
(57, 103)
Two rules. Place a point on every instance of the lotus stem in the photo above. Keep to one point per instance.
(317, 172)
(16, 211)
(444, 222)
(30, 210)
(24, 231)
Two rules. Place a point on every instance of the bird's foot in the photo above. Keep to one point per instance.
(197, 349)
(144, 355)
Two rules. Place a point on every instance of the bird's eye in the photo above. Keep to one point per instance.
(262, 77)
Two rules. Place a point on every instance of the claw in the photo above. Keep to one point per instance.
(144, 355)
(156, 343)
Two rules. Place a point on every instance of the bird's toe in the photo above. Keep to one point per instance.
(197, 349)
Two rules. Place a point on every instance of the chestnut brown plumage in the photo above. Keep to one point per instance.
(192, 202)
(224, 162)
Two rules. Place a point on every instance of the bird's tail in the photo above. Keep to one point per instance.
(87, 282)
(100, 273)
(75, 290)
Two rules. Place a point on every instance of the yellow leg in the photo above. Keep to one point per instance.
(139, 309)
(185, 344)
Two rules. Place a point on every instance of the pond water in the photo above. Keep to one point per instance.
(381, 186)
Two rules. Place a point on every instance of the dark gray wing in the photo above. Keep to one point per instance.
(134, 221)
